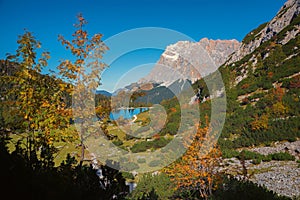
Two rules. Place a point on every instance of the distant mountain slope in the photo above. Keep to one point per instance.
(262, 83)
(178, 60)
(104, 92)
(268, 30)
(161, 92)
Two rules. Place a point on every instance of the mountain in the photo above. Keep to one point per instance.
(184, 60)
(262, 84)
(269, 53)
(104, 92)
(266, 31)
(262, 80)
(161, 92)
(136, 87)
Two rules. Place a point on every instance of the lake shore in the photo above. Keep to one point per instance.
(130, 108)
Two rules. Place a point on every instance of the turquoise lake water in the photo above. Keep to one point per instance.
(126, 113)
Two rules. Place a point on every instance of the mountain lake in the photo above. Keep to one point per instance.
(126, 113)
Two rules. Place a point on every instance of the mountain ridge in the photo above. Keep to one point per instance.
(267, 30)
(188, 60)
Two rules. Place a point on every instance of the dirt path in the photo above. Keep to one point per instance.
(135, 118)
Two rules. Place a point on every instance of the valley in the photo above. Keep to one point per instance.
(213, 119)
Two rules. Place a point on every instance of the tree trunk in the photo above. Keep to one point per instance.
(82, 144)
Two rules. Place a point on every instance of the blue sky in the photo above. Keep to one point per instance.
(218, 19)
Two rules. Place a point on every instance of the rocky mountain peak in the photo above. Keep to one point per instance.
(265, 32)
(219, 50)
(185, 59)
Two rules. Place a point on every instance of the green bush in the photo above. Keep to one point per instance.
(140, 147)
(130, 166)
(161, 142)
(292, 139)
(249, 155)
(256, 161)
(245, 190)
(117, 142)
(267, 158)
(153, 187)
(143, 129)
(145, 145)
(225, 144)
(124, 159)
(278, 130)
(172, 128)
(255, 157)
(229, 153)
(251, 36)
(282, 156)
(154, 163)
(141, 160)
(127, 175)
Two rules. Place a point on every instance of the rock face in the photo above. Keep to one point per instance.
(281, 177)
(146, 86)
(219, 50)
(292, 148)
(191, 60)
(283, 18)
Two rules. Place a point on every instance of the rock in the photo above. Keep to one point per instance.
(191, 60)
(146, 86)
(219, 50)
(282, 177)
(289, 147)
(290, 35)
(283, 18)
